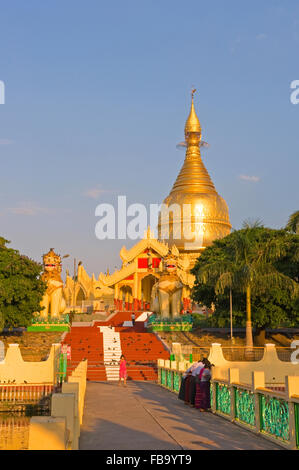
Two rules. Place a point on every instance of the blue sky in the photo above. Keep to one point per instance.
(97, 94)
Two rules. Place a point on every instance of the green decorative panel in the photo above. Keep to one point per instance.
(245, 406)
(170, 327)
(169, 379)
(48, 328)
(176, 381)
(163, 377)
(223, 399)
(297, 423)
(274, 414)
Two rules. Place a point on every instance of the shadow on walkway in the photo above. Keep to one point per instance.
(144, 416)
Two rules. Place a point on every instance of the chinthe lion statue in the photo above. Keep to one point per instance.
(167, 292)
(53, 302)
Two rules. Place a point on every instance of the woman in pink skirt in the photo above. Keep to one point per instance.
(202, 397)
(122, 370)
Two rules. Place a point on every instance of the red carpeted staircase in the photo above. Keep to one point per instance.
(87, 343)
(141, 349)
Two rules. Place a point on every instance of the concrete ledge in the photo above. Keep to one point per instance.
(61, 430)
(47, 433)
(14, 368)
(63, 405)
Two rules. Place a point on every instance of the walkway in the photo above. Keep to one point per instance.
(143, 416)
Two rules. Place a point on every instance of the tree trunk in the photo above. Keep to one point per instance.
(249, 338)
(231, 314)
(260, 336)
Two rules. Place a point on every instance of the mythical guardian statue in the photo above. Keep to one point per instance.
(53, 302)
(167, 292)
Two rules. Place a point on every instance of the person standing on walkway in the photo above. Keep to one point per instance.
(123, 370)
(185, 378)
(133, 318)
(187, 388)
(194, 373)
(202, 397)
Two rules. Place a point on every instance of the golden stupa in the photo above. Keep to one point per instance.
(156, 273)
(198, 214)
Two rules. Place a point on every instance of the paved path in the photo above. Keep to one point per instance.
(143, 416)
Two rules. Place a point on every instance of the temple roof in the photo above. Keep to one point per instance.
(149, 241)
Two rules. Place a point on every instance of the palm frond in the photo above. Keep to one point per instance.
(252, 223)
(269, 278)
(225, 280)
(293, 223)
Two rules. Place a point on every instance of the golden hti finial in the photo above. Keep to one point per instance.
(192, 125)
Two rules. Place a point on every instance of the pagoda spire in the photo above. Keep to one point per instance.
(193, 176)
(192, 124)
(202, 211)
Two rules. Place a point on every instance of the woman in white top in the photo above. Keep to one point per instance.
(202, 397)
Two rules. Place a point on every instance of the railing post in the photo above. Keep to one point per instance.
(214, 390)
(180, 380)
(56, 364)
(62, 367)
(233, 378)
(292, 388)
(258, 381)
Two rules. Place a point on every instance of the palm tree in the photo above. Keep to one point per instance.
(248, 266)
(293, 223)
(252, 223)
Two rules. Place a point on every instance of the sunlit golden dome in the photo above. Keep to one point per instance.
(199, 214)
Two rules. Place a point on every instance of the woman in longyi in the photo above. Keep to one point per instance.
(122, 370)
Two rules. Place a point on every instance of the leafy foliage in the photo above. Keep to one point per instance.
(293, 223)
(265, 259)
(21, 288)
(1, 322)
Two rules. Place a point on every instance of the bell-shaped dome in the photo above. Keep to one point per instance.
(193, 215)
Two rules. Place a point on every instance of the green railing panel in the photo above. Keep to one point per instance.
(163, 377)
(223, 399)
(176, 381)
(62, 367)
(274, 415)
(169, 379)
(297, 423)
(245, 406)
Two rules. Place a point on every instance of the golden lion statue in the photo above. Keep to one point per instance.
(53, 302)
(167, 292)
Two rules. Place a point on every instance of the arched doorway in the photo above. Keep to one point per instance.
(126, 297)
(80, 297)
(147, 284)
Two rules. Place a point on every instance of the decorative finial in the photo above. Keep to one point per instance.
(192, 124)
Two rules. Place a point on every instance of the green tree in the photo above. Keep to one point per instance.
(21, 288)
(293, 223)
(1, 322)
(248, 262)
